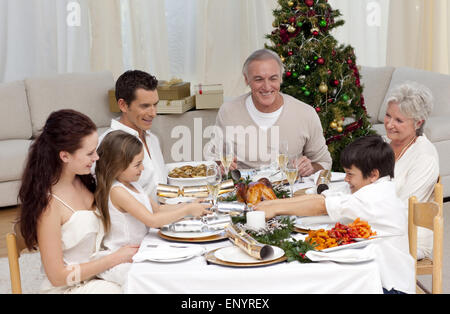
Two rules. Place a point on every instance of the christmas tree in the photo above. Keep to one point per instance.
(319, 71)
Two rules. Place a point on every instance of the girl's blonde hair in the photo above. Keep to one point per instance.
(116, 152)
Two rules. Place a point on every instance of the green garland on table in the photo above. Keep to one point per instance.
(278, 233)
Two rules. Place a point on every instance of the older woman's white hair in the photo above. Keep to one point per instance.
(414, 101)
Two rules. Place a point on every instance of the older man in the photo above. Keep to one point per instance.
(137, 97)
(257, 122)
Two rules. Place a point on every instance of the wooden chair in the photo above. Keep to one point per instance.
(15, 244)
(428, 215)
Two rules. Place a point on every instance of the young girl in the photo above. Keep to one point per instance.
(131, 211)
(57, 207)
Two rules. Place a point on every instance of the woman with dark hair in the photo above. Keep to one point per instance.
(58, 212)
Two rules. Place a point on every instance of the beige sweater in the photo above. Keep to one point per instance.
(298, 123)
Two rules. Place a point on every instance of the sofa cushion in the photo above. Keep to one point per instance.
(14, 107)
(84, 92)
(437, 129)
(376, 83)
(13, 158)
(437, 83)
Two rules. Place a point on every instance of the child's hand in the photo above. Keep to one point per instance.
(125, 254)
(199, 209)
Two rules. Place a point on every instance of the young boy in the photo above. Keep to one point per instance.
(369, 166)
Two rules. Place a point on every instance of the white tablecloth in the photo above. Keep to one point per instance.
(194, 276)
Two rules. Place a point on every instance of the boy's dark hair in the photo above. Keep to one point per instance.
(369, 153)
(130, 81)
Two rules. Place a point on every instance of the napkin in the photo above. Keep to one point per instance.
(344, 255)
(166, 252)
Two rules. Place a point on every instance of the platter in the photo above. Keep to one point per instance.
(355, 245)
(212, 259)
(218, 236)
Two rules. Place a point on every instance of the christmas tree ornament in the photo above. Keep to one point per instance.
(321, 61)
(307, 93)
(333, 125)
(291, 3)
(291, 29)
(345, 97)
(339, 129)
(318, 109)
(307, 68)
(295, 75)
(288, 73)
(323, 88)
(309, 3)
(323, 23)
(290, 53)
(299, 24)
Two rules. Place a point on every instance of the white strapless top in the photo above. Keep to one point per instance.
(82, 236)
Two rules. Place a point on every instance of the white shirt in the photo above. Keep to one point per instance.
(154, 172)
(264, 120)
(378, 204)
(125, 228)
(416, 173)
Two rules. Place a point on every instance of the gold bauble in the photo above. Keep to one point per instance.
(291, 29)
(333, 125)
(323, 88)
(340, 129)
(291, 3)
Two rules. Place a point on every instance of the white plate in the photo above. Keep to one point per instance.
(186, 181)
(233, 254)
(173, 260)
(190, 235)
(337, 176)
(269, 175)
(355, 245)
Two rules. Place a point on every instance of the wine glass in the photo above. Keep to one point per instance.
(227, 157)
(283, 155)
(291, 172)
(213, 181)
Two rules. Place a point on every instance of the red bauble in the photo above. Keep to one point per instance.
(288, 74)
(318, 109)
(321, 61)
(290, 53)
(336, 82)
(309, 3)
(292, 20)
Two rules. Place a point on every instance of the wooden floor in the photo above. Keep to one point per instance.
(7, 216)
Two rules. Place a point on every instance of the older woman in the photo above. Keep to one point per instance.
(416, 158)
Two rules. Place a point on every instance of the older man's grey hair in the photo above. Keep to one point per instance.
(263, 54)
(414, 100)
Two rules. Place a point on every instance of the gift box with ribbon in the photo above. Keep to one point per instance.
(174, 89)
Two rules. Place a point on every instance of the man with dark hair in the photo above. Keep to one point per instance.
(369, 167)
(137, 97)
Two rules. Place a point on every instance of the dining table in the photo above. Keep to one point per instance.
(197, 275)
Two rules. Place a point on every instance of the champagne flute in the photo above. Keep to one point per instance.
(213, 181)
(227, 157)
(283, 155)
(291, 172)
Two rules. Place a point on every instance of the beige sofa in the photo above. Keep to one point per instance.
(25, 105)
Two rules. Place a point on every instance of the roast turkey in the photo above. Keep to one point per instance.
(255, 192)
